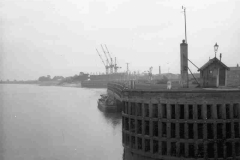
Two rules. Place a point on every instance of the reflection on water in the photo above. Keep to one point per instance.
(113, 118)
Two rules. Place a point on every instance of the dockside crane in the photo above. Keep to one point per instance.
(115, 66)
(105, 65)
(107, 61)
(111, 65)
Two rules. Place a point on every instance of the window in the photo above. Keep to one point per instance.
(191, 150)
(155, 111)
(182, 130)
(173, 130)
(146, 127)
(237, 148)
(200, 131)
(199, 108)
(227, 111)
(132, 125)
(181, 111)
(155, 146)
(236, 111)
(219, 111)
(182, 150)
(155, 128)
(200, 150)
(139, 109)
(164, 129)
(133, 109)
(127, 124)
(164, 111)
(139, 126)
(219, 131)
(228, 130)
(139, 141)
(147, 145)
(210, 133)
(229, 149)
(190, 131)
(220, 150)
(164, 148)
(209, 111)
(133, 141)
(236, 129)
(210, 150)
(146, 109)
(173, 148)
(190, 111)
(172, 111)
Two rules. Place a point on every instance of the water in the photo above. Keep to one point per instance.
(56, 123)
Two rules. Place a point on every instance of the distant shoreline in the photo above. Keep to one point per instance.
(46, 83)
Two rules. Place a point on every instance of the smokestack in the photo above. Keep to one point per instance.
(220, 56)
(159, 70)
(184, 64)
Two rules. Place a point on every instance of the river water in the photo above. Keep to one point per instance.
(56, 123)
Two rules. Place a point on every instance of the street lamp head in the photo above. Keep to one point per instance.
(216, 48)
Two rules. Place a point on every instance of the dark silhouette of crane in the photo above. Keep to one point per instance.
(105, 65)
(116, 66)
(111, 65)
(107, 61)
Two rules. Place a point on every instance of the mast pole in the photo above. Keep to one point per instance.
(184, 10)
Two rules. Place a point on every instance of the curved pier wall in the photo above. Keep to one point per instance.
(168, 125)
(112, 95)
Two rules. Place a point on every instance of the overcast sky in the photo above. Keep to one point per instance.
(59, 37)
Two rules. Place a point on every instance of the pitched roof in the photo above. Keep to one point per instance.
(211, 61)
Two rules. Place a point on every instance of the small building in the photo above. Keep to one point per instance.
(213, 73)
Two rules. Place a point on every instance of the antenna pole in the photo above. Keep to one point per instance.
(184, 9)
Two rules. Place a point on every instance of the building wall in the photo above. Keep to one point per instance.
(233, 77)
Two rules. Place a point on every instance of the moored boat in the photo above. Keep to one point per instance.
(105, 104)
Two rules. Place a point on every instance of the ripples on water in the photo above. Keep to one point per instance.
(56, 123)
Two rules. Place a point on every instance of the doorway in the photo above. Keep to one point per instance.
(222, 76)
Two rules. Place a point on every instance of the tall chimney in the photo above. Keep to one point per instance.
(184, 64)
(159, 70)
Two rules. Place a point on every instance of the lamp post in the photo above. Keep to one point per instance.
(215, 49)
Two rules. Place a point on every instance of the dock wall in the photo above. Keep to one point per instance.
(181, 124)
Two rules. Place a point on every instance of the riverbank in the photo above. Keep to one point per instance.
(50, 83)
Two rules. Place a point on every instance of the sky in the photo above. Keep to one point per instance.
(60, 37)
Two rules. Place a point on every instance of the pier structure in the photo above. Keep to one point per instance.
(179, 124)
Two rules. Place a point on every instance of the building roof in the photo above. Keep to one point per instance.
(211, 61)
